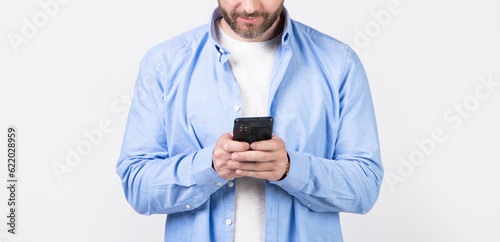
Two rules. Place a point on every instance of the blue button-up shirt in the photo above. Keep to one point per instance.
(186, 97)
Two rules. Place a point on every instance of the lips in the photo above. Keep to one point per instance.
(249, 20)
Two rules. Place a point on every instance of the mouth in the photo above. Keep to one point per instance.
(249, 20)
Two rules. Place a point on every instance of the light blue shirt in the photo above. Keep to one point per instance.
(186, 97)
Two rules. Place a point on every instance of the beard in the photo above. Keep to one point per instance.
(251, 31)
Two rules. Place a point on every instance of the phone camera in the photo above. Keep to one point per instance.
(243, 128)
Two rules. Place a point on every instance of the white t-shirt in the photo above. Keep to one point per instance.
(251, 63)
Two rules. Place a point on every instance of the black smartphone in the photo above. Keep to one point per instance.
(253, 129)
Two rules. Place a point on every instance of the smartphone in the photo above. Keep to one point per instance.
(253, 129)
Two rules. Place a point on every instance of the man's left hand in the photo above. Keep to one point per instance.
(268, 159)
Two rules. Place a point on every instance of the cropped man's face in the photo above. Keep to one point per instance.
(250, 19)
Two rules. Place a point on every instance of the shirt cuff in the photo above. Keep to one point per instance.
(298, 175)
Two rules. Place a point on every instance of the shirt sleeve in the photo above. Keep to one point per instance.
(153, 181)
(350, 181)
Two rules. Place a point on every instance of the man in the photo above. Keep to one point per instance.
(251, 60)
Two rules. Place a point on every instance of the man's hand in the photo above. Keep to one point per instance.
(268, 159)
(222, 155)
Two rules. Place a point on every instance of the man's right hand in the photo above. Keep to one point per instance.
(222, 155)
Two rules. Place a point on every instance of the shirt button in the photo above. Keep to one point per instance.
(218, 184)
(188, 207)
(230, 184)
(228, 222)
(309, 205)
(237, 108)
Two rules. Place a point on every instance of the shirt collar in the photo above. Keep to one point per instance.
(217, 15)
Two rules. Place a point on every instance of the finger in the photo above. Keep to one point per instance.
(273, 144)
(253, 155)
(269, 175)
(220, 153)
(230, 145)
(228, 174)
(251, 166)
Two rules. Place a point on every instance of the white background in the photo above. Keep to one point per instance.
(79, 69)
